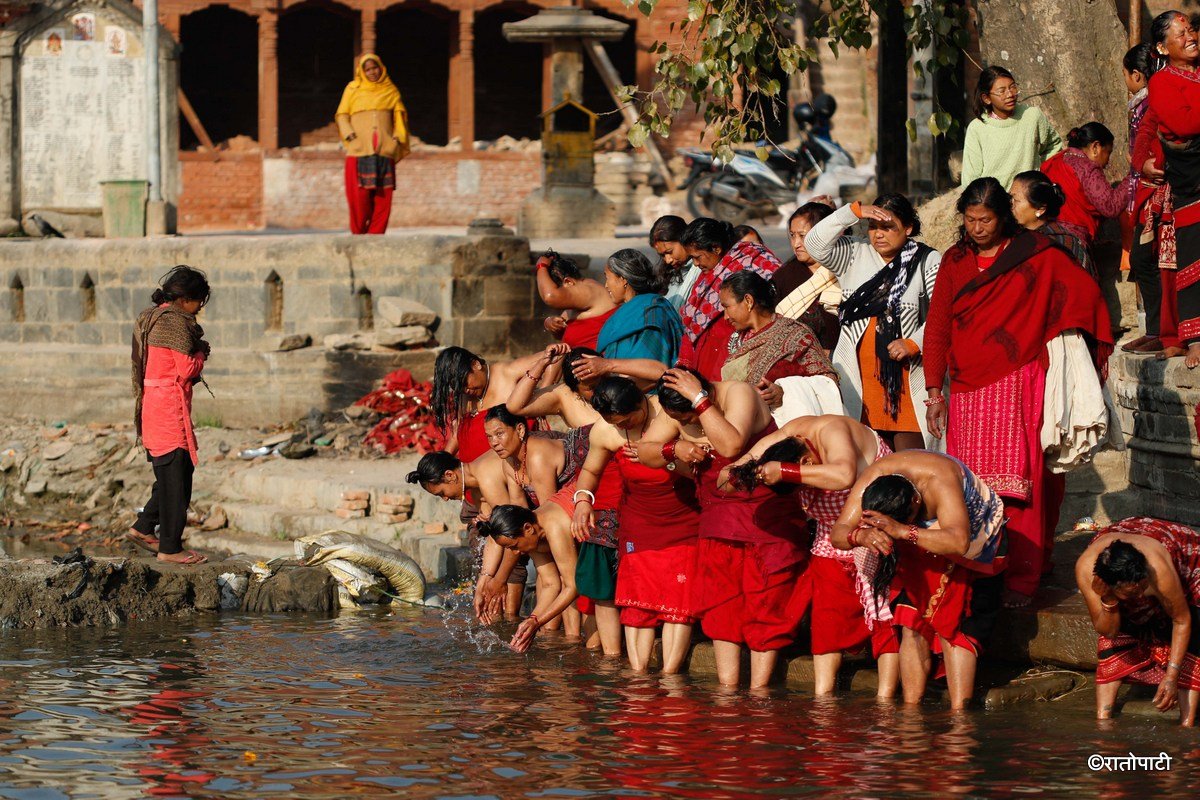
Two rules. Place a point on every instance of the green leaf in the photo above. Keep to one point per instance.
(638, 135)
(695, 9)
(911, 126)
(646, 7)
(762, 153)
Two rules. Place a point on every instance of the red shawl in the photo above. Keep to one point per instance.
(985, 325)
(703, 304)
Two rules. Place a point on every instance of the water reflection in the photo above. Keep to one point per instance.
(424, 705)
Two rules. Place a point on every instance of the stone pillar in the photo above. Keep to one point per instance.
(9, 154)
(462, 80)
(367, 30)
(565, 63)
(268, 81)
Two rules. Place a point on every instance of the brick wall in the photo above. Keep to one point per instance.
(304, 189)
(224, 195)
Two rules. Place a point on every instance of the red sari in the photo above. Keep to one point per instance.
(988, 328)
(660, 518)
(753, 551)
(584, 332)
(1140, 651)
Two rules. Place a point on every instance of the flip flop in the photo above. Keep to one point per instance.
(190, 557)
(143, 540)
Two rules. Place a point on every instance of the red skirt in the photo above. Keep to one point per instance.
(1142, 660)
(659, 582)
(935, 597)
(837, 620)
(739, 601)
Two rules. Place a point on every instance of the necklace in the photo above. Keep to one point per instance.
(645, 422)
(522, 456)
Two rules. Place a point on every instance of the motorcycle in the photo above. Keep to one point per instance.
(749, 188)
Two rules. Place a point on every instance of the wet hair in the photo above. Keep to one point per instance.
(812, 213)
(432, 468)
(573, 357)
(561, 268)
(892, 495)
(989, 193)
(902, 208)
(987, 79)
(501, 413)
(450, 372)
(749, 282)
(506, 521)
(644, 276)
(615, 395)
(672, 400)
(1119, 563)
(1090, 133)
(787, 451)
(1140, 58)
(705, 233)
(1042, 193)
(181, 283)
(742, 231)
(667, 229)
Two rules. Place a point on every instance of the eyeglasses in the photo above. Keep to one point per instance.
(1013, 90)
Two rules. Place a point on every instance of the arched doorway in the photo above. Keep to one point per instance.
(316, 61)
(508, 78)
(218, 71)
(413, 40)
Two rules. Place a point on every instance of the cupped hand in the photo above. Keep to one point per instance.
(557, 350)
(1167, 696)
(524, 636)
(555, 325)
(1152, 173)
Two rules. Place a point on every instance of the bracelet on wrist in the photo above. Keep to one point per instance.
(852, 537)
(702, 406)
(791, 473)
(536, 622)
(1109, 606)
(668, 450)
(913, 530)
(934, 401)
(575, 497)
(1174, 666)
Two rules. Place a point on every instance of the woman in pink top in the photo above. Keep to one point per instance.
(169, 352)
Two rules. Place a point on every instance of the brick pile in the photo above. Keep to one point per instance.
(355, 504)
(394, 508)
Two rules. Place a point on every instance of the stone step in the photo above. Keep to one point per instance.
(317, 485)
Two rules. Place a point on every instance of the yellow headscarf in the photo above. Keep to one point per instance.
(362, 94)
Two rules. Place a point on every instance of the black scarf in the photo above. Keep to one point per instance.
(880, 298)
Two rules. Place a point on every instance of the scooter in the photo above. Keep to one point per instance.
(747, 187)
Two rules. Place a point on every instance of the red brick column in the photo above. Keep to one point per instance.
(367, 30)
(268, 81)
(462, 81)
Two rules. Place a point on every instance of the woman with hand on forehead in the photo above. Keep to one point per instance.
(887, 285)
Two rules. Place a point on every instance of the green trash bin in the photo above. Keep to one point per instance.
(125, 208)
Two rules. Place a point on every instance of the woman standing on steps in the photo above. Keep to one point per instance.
(169, 352)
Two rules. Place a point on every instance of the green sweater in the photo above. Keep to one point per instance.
(1000, 148)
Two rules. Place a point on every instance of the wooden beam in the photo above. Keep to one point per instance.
(1135, 22)
(195, 124)
(612, 80)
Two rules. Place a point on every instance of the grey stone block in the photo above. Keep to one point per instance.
(401, 312)
(508, 297)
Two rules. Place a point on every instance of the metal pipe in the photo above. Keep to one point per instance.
(153, 127)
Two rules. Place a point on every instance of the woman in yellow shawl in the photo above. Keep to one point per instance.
(374, 128)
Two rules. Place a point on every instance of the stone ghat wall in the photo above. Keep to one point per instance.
(67, 307)
(1157, 402)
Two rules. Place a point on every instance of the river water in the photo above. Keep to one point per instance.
(419, 703)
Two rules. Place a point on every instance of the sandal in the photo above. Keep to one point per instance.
(143, 540)
(189, 557)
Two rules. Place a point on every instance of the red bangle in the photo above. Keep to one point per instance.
(852, 537)
(935, 401)
(702, 406)
(668, 451)
(791, 473)
(912, 534)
